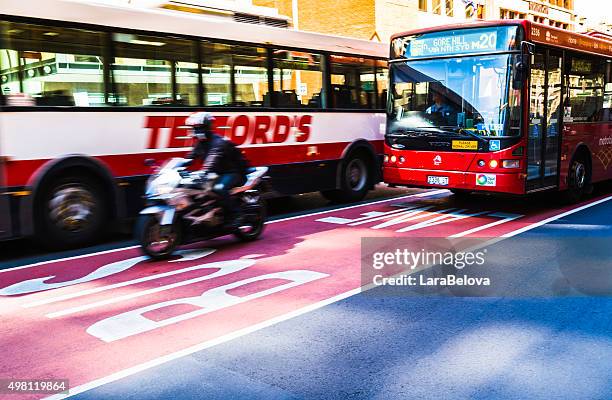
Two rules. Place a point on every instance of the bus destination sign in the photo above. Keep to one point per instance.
(457, 42)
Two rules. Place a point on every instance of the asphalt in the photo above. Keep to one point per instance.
(25, 251)
(550, 337)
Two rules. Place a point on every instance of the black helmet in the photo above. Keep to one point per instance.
(201, 123)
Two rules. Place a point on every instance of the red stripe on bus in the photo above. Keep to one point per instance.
(19, 172)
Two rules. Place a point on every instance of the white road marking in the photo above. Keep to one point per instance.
(224, 268)
(413, 215)
(424, 194)
(99, 289)
(38, 264)
(234, 335)
(443, 219)
(506, 217)
(555, 217)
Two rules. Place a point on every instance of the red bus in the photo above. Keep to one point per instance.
(89, 92)
(501, 106)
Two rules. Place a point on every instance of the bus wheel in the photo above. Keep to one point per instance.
(355, 178)
(71, 211)
(578, 179)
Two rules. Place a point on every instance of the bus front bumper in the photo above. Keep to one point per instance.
(513, 182)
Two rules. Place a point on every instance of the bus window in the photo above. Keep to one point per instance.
(216, 73)
(143, 68)
(352, 82)
(607, 103)
(50, 66)
(250, 75)
(382, 83)
(585, 84)
(234, 75)
(298, 79)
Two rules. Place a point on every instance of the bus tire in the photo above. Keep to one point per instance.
(71, 211)
(578, 179)
(356, 174)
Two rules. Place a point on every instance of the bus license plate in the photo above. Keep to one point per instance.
(437, 180)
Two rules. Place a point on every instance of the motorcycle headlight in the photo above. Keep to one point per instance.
(163, 184)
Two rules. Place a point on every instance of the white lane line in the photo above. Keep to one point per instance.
(224, 268)
(505, 218)
(443, 219)
(555, 217)
(99, 289)
(202, 346)
(67, 258)
(234, 335)
(414, 215)
(424, 194)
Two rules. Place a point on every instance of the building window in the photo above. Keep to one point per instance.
(436, 6)
(422, 5)
(469, 11)
(52, 66)
(480, 11)
(449, 8)
(298, 79)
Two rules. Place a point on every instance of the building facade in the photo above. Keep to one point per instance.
(379, 19)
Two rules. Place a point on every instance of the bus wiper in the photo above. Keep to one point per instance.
(406, 133)
(448, 130)
(460, 131)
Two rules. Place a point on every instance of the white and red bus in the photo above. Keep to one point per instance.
(501, 106)
(90, 92)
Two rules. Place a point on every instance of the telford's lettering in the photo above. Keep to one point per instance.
(241, 129)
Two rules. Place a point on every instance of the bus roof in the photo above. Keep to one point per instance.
(535, 32)
(181, 23)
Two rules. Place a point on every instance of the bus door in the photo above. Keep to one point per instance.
(545, 106)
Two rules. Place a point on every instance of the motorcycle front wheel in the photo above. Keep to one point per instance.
(253, 223)
(154, 241)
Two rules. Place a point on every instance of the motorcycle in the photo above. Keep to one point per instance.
(183, 208)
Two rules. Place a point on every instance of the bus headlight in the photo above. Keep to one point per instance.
(511, 164)
(402, 159)
(386, 158)
(393, 159)
(493, 164)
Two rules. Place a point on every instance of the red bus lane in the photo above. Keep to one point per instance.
(92, 316)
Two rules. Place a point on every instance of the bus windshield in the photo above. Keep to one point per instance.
(470, 95)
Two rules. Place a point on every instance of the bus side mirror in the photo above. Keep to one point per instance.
(519, 71)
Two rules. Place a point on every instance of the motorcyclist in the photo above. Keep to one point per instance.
(220, 156)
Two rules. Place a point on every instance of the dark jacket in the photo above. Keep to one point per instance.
(219, 155)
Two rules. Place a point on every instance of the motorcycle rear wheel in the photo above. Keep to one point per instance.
(152, 242)
(253, 224)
